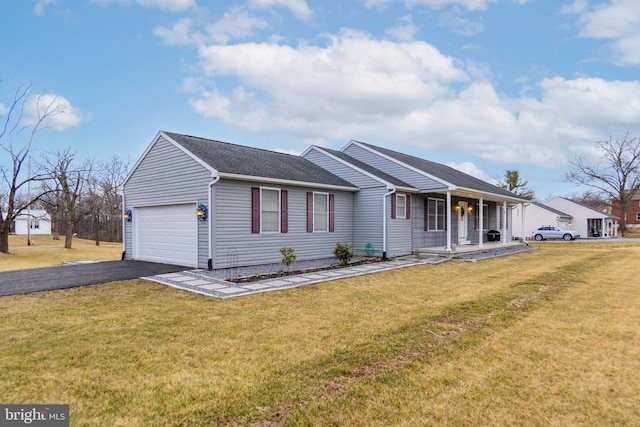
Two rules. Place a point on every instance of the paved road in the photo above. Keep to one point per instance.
(71, 276)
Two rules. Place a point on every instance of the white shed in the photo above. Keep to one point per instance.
(38, 221)
(587, 221)
(536, 215)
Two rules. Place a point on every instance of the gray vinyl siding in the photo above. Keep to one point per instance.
(403, 173)
(236, 245)
(168, 176)
(399, 240)
(367, 204)
(429, 238)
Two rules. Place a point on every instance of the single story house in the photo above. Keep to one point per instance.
(536, 215)
(33, 221)
(209, 204)
(587, 221)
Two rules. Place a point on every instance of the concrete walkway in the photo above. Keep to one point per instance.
(200, 282)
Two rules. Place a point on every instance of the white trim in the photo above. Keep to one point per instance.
(285, 182)
(326, 230)
(279, 209)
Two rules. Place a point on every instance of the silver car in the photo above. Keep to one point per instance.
(552, 232)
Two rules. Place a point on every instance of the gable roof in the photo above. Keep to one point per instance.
(238, 161)
(443, 173)
(585, 206)
(552, 210)
(367, 168)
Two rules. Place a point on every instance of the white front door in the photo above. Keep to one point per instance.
(463, 222)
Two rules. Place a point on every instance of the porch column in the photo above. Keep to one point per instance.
(522, 206)
(480, 222)
(448, 248)
(504, 222)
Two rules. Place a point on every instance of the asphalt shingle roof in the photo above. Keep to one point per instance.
(242, 160)
(443, 172)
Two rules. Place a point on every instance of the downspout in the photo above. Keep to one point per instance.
(124, 224)
(384, 222)
(210, 260)
(448, 248)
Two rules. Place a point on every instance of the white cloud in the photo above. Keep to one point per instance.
(433, 4)
(299, 8)
(170, 5)
(235, 24)
(179, 34)
(39, 7)
(406, 30)
(471, 169)
(405, 93)
(56, 111)
(617, 21)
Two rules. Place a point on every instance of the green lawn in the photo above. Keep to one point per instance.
(546, 337)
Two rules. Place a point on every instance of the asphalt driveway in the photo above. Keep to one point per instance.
(71, 276)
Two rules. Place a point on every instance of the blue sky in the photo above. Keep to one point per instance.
(482, 85)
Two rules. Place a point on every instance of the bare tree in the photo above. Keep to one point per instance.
(615, 173)
(514, 183)
(68, 182)
(17, 132)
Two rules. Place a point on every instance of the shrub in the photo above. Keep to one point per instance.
(343, 253)
(287, 257)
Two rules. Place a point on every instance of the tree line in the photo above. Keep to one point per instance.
(81, 195)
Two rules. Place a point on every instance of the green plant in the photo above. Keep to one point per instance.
(287, 257)
(343, 253)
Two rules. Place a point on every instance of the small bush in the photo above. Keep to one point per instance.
(343, 253)
(287, 257)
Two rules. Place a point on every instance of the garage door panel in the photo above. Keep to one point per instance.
(167, 234)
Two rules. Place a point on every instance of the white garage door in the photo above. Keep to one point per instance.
(166, 234)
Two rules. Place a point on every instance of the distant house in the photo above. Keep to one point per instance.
(631, 213)
(536, 215)
(203, 203)
(587, 221)
(35, 221)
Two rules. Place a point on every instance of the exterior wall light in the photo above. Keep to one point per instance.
(470, 208)
(128, 215)
(201, 212)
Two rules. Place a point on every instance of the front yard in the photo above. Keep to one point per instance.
(546, 337)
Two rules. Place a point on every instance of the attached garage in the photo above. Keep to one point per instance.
(166, 234)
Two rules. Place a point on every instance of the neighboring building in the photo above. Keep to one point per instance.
(203, 203)
(35, 221)
(631, 213)
(587, 221)
(536, 215)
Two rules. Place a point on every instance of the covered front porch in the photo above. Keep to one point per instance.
(458, 250)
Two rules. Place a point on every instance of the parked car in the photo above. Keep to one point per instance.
(552, 232)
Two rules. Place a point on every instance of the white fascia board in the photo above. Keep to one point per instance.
(448, 185)
(213, 171)
(238, 177)
(150, 146)
(493, 195)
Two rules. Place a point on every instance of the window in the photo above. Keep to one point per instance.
(34, 224)
(638, 216)
(485, 217)
(401, 206)
(269, 211)
(320, 212)
(435, 215)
